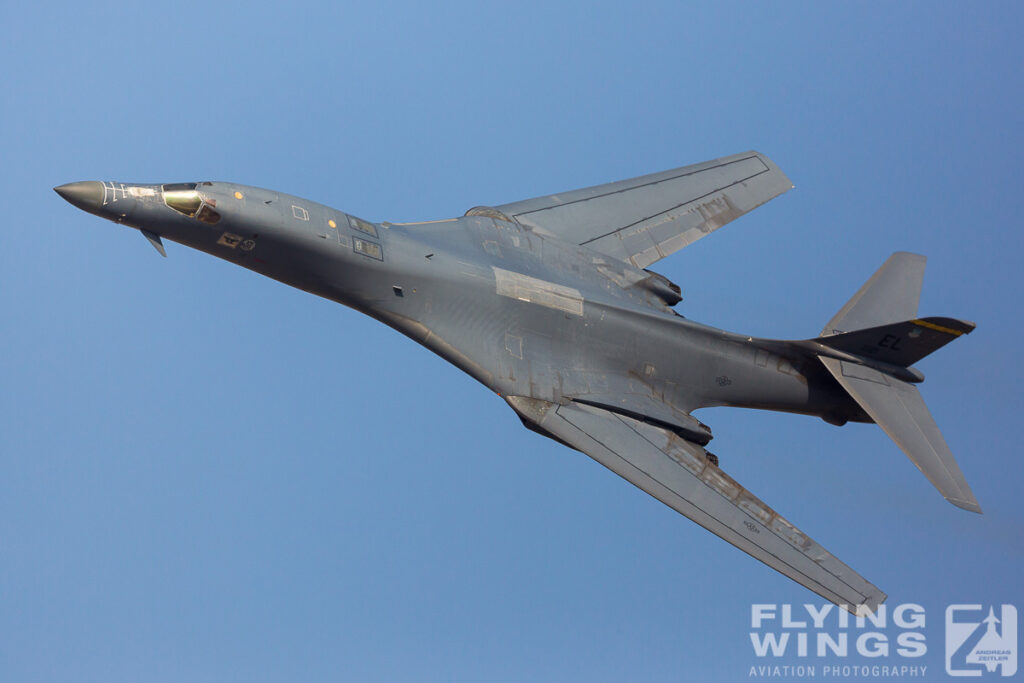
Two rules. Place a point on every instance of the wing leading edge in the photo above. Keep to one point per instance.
(645, 219)
(678, 473)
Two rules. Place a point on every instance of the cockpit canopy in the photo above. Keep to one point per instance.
(185, 199)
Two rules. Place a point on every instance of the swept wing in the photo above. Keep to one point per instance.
(645, 219)
(679, 474)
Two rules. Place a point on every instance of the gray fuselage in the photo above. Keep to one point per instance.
(522, 312)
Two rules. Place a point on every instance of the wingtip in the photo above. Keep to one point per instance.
(969, 505)
(969, 325)
(869, 606)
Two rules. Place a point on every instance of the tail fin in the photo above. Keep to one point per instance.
(880, 325)
(891, 295)
(901, 344)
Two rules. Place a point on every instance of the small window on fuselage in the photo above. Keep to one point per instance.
(370, 249)
(362, 226)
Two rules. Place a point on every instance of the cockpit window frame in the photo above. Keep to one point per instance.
(207, 215)
(367, 248)
(185, 199)
(363, 226)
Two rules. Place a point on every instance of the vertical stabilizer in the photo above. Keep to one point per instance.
(877, 334)
(890, 296)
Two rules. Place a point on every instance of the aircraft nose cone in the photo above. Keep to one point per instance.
(86, 195)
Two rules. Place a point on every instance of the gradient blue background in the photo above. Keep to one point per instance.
(208, 476)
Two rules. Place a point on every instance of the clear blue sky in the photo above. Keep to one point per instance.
(208, 476)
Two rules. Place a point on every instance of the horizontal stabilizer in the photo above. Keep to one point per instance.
(683, 476)
(897, 407)
(891, 295)
(901, 344)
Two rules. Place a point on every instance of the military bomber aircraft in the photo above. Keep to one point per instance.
(549, 303)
